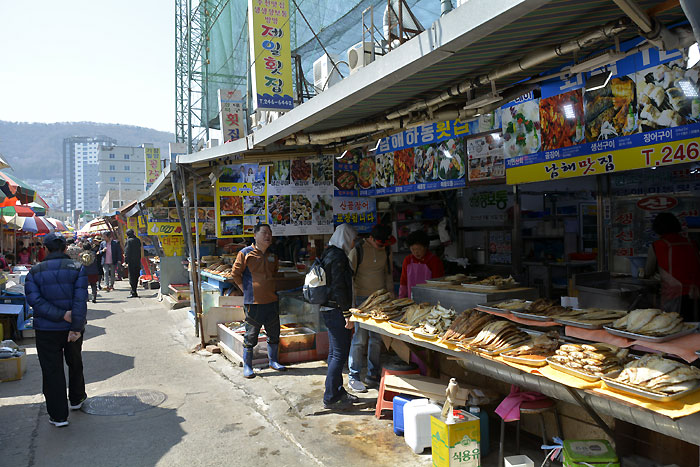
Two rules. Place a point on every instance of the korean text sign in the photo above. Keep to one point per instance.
(153, 167)
(361, 213)
(270, 54)
(231, 115)
(241, 200)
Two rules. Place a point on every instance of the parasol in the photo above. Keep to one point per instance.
(13, 187)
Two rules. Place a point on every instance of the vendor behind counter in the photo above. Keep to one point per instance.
(677, 260)
(420, 266)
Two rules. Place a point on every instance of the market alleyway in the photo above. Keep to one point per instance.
(211, 415)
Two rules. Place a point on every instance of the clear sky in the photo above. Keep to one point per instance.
(107, 61)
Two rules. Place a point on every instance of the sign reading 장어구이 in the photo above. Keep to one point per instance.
(270, 54)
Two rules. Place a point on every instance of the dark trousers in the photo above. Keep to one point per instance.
(257, 316)
(134, 274)
(339, 339)
(53, 347)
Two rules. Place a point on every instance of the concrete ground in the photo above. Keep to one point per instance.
(211, 416)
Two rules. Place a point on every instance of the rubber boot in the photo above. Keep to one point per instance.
(248, 364)
(272, 350)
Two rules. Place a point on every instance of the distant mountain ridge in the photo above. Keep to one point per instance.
(35, 150)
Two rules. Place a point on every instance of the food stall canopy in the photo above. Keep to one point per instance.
(13, 187)
(34, 224)
(467, 46)
(18, 210)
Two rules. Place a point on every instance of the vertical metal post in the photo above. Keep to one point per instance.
(516, 236)
(189, 76)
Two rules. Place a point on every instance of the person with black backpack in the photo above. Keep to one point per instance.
(371, 259)
(338, 279)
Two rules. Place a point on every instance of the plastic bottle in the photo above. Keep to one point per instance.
(484, 445)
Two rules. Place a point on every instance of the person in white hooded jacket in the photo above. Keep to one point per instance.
(339, 280)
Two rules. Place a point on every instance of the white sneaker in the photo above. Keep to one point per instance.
(57, 423)
(78, 405)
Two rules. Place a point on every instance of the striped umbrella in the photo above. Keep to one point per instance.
(58, 225)
(13, 187)
(17, 210)
(30, 224)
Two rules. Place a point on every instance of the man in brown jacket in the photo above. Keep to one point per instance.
(254, 273)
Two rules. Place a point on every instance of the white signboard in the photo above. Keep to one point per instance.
(231, 115)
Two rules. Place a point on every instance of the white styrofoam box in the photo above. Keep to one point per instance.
(231, 300)
(519, 461)
(416, 423)
(220, 314)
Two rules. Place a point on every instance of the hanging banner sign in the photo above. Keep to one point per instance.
(300, 197)
(153, 167)
(270, 54)
(361, 213)
(677, 145)
(345, 173)
(424, 158)
(173, 245)
(231, 115)
(241, 200)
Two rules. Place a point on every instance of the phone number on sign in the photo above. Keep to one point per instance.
(672, 154)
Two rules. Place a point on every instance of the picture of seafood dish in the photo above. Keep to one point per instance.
(611, 111)
(172, 214)
(521, 129)
(159, 213)
(561, 120)
(404, 160)
(254, 205)
(249, 223)
(231, 205)
(323, 208)
(366, 172)
(385, 170)
(323, 170)
(231, 226)
(345, 180)
(667, 96)
(425, 165)
(279, 209)
(280, 171)
(451, 160)
(300, 208)
(211, 214)
(301, 170)
(486, 160)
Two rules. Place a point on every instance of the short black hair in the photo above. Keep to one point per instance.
(419, 237)
(666, 223)
(56, 245)
(257, 228)
(130, 233)
(381, 232)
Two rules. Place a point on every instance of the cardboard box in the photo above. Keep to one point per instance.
(589, 452)
(456, 444)
(12, 369)
(231, 300)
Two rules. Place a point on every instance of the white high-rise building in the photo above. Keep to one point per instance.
(80, 178)
(121, 168)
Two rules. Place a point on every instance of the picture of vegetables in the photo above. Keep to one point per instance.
(345, 180)
(231, 205)
(323, 170)
(323, 208)
(611, 111)
(279, 212)
(667, 96)
(404, 161)
(366, 172)
(301, 170)
(521, 128)
(451, 156)
(385, 170)
(280, 171)
(561, 120)
(425, 166)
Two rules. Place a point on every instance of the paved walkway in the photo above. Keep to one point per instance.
(212, 416)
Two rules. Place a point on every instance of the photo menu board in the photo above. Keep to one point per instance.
(424, 158)
(300, 196)
(647, 115)
(241, 200)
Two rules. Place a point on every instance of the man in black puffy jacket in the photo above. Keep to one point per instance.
(56, 289)
(132, 257)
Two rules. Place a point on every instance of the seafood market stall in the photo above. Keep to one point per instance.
(460, 297)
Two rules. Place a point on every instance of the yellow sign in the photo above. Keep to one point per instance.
(270, 54)
(654, 155)
(132, 223)
(240, 206)
(173, 245)
(153, 166)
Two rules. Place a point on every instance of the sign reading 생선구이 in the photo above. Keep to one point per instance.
(270, 54)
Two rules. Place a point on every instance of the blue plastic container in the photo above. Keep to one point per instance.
(399, 401)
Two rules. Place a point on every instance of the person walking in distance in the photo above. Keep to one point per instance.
(132, 257)
(92, 268)
(56, 289)
(254, 273)
(111, 256)
(371, 261)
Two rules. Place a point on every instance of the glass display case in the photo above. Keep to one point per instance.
(293, 309)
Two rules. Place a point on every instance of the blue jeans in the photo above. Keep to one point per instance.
(357, 347)
(338, 351)
(109, 275)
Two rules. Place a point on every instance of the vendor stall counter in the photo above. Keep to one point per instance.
(460, 298)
